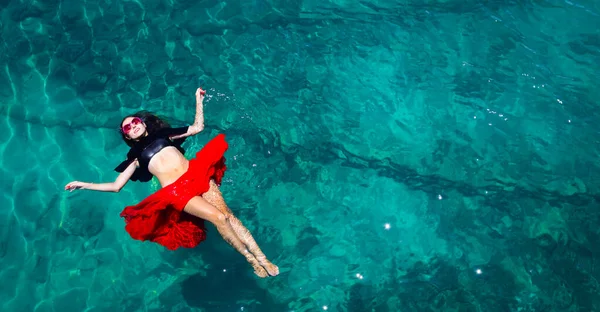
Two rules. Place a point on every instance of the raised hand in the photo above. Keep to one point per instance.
(200, 95)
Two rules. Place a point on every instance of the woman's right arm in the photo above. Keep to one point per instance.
(106, 187)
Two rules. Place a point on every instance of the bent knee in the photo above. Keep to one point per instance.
(220, 219)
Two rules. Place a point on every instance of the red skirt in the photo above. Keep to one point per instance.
(160, 217)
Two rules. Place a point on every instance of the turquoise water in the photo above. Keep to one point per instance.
(414, 156)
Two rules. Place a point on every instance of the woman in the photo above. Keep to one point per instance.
(174, 215)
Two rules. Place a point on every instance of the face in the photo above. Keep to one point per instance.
(133, 128)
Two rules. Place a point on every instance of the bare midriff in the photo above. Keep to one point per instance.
(168, 165)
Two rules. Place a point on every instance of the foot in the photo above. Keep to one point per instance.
(259, 270)
(272, 269)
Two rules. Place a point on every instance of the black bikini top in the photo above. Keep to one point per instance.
(147, 147)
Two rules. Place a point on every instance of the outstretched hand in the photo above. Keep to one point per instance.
(75, 185)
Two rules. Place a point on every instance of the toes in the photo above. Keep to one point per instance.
(276, 271)
(261, 273)
(272, 269)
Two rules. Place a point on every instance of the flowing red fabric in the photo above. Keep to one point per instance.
(160, 217)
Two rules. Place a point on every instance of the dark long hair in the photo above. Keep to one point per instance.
(152, 121)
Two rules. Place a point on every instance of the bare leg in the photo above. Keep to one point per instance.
(200, 208)
(215, 198)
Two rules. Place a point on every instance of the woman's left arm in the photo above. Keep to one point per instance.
(198, 124)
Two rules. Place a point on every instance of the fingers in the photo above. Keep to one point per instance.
(200, 93)
(72, 186)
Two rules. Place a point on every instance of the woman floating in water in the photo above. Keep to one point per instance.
(174, 215)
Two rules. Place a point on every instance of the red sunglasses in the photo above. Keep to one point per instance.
(127, 127)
